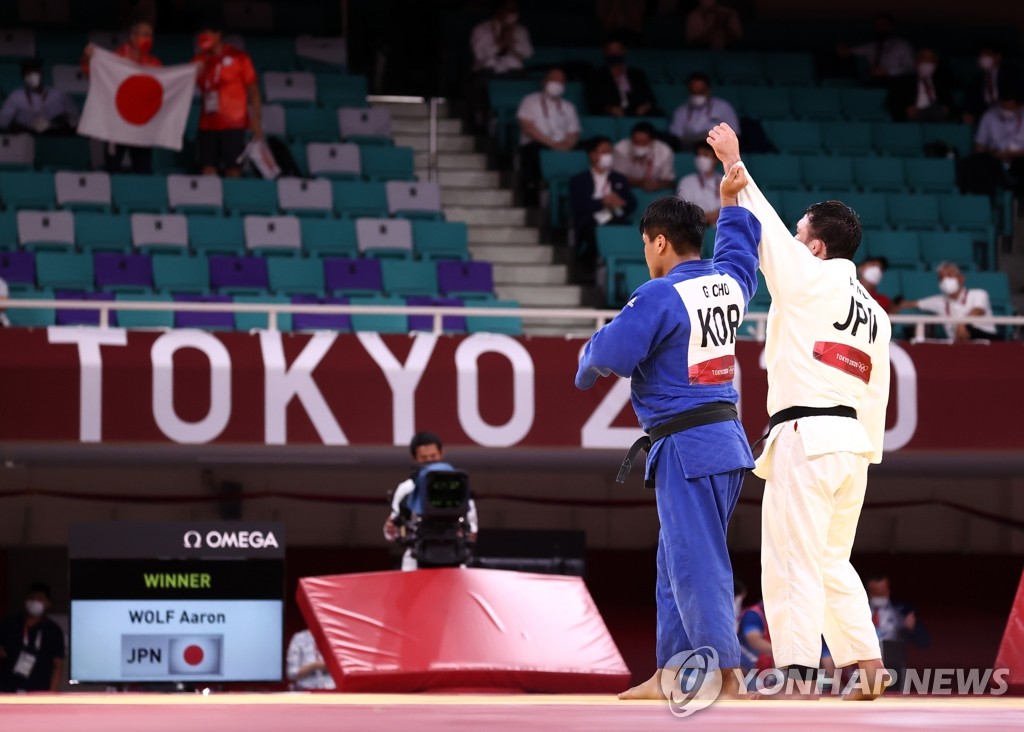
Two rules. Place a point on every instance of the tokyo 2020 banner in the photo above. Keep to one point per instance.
(193, 387)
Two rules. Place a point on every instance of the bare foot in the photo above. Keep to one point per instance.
(871, 682)
(791, 690)
(650, 689)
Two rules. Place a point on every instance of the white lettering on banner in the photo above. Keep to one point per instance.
(282, 383)
(90, 364)
(403, 379)
(521, 422)
(209, 427)
(906, 399)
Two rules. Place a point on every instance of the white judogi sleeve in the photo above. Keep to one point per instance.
(404, 489)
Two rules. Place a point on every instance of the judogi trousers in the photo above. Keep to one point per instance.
(695, 583)
(808, 523)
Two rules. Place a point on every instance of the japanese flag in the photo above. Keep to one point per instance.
(137, 105)
(194, 654)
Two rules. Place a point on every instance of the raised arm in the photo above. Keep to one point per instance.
(738, 234)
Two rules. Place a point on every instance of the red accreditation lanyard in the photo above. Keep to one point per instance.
(963, 300)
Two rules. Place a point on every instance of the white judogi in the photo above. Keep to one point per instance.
(827, 345)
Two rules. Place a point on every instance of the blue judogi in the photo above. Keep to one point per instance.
(675, 340)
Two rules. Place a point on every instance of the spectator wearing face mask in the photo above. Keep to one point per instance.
(957, 301)
(35, 109)
(702, 187)
(546, 122)
(871, 272)
(896, 624)
(617, 89)
(138, 48)
(927, 94)
(646, 162)
(31, 646)
(599, 197)
(995, 75)
(712, 25)
(702, 111)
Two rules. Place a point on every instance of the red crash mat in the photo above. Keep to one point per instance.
(1011, 650)
(461, 628)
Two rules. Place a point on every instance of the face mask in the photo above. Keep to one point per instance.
(949, 285)
(642, 151)
(33, 80)
(35, 608)
(604, 162)
(986, 63)
(511, 18)
(144, 45)
(615, 60)
(926, 68)
(872, 275)
(704, 164)
(554, 89)
(699, 100)
(206, 41)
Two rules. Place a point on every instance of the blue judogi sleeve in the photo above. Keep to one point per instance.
(739, 232)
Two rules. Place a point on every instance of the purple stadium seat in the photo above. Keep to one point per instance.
(450, 323)
(122, 272)
(238, 274)
(305, 321)
(83, 317)
(352, 276)
(18, 268)
(215, 321)
(465, 279)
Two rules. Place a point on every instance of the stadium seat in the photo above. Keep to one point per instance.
(634, 275)
(778, 172)
(901, 248)
(46, 229)
(618, 246)
(65, 270)
(898, 138)
(33, 317)
(971, 214)
(62, 153)
(303, 196)
(871, 208)
(789, 69)
(83, 191)
(103, 232)
(198, 193)
(144, 318)
(946, 246)
(260, 321)
(409, 277)
(8, 229)
(387, 163)
(682, 164)
(556, 168)
(794, 203)
(238, 275)
(341, 90)
(420, 200)
(384, 237)
(123, 272)
(765, 103)
(222, 235)
(441, 239)
(17, 151)
(289, 87)
(27, 190)
(160, 232)
(334, 160)
(367, 126)
(379, 323)
(329, 237)
(931, 175)
(680, 63)
(18, 268)
(174, 274)
(707, 249)
(914, 210)
(358, 199)
(467, 280)
(250, 196)
(879, 174)
(279, 235)
(274, 120)
(291, 275)
(594, 126)
(69, 316)
(425, 323)
(864, 105)
(827, 172)
(511, 325)
(311, 124)
(208, 320)
(800, 138)
(320, 321)
(819, 104)
(997, 284)
(139, 193)
(352, 276)
(848, 138)
(670, 96)
(956, 136)
(738, 67)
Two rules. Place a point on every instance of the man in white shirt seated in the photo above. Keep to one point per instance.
(691, 121)
(306, 668)
(547, 121)
(647, 163)
(702, 187)
(501, 43)
(37, 110)
(957, 301)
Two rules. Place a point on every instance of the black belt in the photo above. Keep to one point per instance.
(697, 417)
(791, 413)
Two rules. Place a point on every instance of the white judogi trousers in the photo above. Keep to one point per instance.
(808, 523)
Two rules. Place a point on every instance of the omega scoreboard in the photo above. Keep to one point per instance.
(176, 601)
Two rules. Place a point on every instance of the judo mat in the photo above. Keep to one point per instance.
(439, 629)
(447, 713)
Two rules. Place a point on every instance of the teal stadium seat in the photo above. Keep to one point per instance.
(819, 104)
(822, 172)
(917, 285)
(879, 174)
(645, 199)
(670, 96)
(217, 234)
(619, 246)
(898, 138)
(33, 317)
(864, 105)
(777, 172)
(914, 211)
(329, 237)
(8, 230)
(764, 103)
(435, 240)
(949, 246)
(797, 137)
(103, 232)
(683, 165)
(359, 199)
(738, 67)
(402, 277)
(957, 136)
(144, 318)
(173, 274)
(634, 275)
(335, 90)
(64, 270)
(139, 193)
(62, 153)
(379, 323)
(295, 276)
(871, 208)
(789, 69)
(512, 325)
(26, 189)
(387, 163)
(892, 283)
(250, 196)
(312, 124)
(997, 284)
(556, 168)
(594, 126)
(901, 248)
(848, 138)
(971, 214)
(707, 249)
(258, 321)
(681, 63)
(931, 175)
(504, 96)
(794, 203)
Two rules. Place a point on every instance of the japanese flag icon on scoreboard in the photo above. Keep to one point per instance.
(194, 654)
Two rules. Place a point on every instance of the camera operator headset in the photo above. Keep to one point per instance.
(425, 448)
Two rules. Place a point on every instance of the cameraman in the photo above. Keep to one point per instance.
(425, 448)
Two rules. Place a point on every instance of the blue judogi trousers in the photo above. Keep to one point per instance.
(695, 583)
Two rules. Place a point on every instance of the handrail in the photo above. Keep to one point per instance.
(595, 317)
(433, 106)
